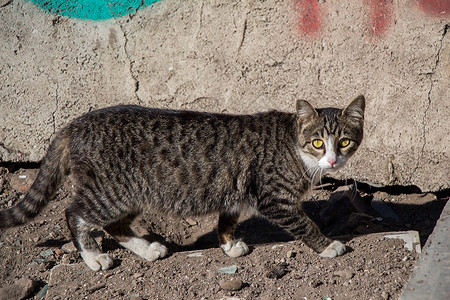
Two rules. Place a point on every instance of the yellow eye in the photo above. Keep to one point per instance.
(318, 144)
(344, 142)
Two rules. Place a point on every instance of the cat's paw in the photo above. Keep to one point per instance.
(336, 248)
(235, 248)
(154, 251)
(97, 261)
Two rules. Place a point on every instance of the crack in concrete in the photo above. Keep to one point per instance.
(6, 3)
(131, 62)
(424, 118)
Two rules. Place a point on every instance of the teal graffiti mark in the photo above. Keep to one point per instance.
(92, 9)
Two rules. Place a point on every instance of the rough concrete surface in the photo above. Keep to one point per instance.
(431, 276)
(239, 57)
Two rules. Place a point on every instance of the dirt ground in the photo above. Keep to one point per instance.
(277, 267)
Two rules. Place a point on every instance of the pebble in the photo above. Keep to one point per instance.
(46, 253)
(278, 271)
(96, 287)
(22, 180)
(315, 283)
(196, 254)
(59, 252)
(19, 290)
(344, 274)
(228, 270)
(68, 247)
(291, 254)
(232, 284)
(191, 222)
(385, 295)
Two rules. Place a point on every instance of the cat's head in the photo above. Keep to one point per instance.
(329, 136)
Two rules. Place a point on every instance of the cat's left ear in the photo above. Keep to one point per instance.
(356, 108)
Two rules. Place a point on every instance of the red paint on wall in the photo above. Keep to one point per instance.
(436, 8)
(380, 16)
(309, 17)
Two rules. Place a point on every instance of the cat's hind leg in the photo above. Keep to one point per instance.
(85, 243)
(126, 237)
(228, 243)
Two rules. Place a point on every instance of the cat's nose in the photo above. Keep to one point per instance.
(331, 161)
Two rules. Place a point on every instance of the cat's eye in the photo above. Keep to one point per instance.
(344, 142)
(318, 144)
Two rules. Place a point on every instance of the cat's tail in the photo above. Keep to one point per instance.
(53, 169)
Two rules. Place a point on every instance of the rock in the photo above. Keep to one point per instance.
(59, 252)
(385, 211)
(278, 271)
(46, 253)
(315, 283)
(233, 284)
(69, 247)
(22, 288)
(42, 293)
(195, 254)
(385, 295)
(347, 275)
(191, 222)
(96, 287)
(228, 270)
(22, 180)
(291, 254)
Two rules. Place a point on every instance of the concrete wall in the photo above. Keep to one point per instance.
(239, 57)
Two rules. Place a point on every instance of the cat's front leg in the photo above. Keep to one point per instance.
(228, 243)
(292, 218)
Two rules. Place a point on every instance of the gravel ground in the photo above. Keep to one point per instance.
(39, 258)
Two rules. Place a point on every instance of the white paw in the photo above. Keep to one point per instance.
(144, 249)
(235, 248)
(97, 261)
(154, 251)
(336, 248)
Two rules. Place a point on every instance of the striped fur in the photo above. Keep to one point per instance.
(124, 158)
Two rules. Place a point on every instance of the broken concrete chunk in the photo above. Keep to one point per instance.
(22, 288)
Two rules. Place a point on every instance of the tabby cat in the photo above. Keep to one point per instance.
(124, 158)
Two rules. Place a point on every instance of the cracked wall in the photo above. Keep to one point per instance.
(239, 57)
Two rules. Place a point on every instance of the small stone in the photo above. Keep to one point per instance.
(96, 287)
(46, 253)
(228, 270)
(385, 295)
(19, 290)
(315, 283)
(191, 222)
(59, 252)
(278, 271)
(22, 180)
(42, 293)
(291, 254)
(69, 247)
(233, 284)
(196, 254)
(344, 274)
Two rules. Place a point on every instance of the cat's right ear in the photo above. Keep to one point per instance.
(305, 110)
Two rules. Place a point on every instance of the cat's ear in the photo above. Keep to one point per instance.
(305, 110)
(356, 108)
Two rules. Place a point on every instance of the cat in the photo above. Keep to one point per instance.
(124, 158)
